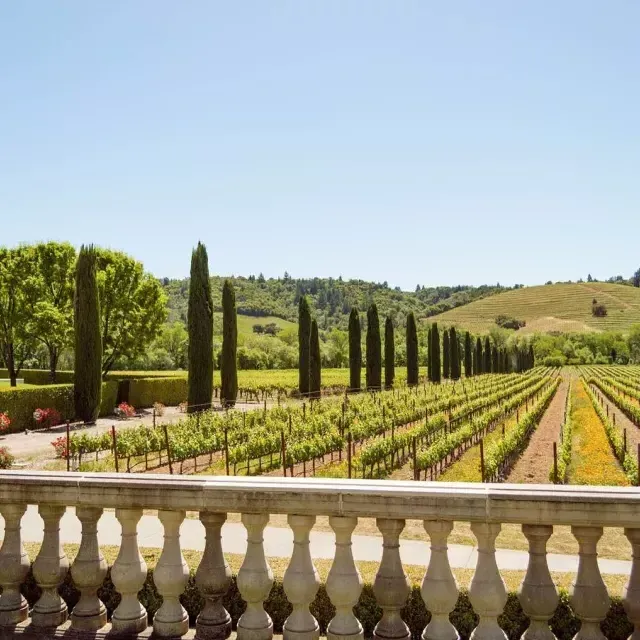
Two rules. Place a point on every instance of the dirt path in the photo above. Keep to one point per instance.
(534, 464)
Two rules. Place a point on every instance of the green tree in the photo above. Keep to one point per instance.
(87, 388)
(479, 357)
(446, 355)
(304, 336)
(338, 348)
(355, 350)
(468, 356)
(412, 350)
(174, 339)
(435, 353)
(454, 346)
(486, 367)
(228, 360)
(389, 353)
(374, 350)
(315, 371)
(633, 342)
(200, 326)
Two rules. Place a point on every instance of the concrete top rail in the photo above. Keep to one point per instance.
(498, 503)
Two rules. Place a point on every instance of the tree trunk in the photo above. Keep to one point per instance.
(11, 364)
(53, 364)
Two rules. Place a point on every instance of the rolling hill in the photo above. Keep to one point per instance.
(556, 307)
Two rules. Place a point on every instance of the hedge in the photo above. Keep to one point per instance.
(40, 376)
(20, 402)
(564, 623)
(144, 392)
(134, 375)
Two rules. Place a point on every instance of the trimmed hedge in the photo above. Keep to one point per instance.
(144, 392)
(564, 624)
(40, 376)
(134, 375)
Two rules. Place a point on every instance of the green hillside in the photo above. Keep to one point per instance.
(556, 307)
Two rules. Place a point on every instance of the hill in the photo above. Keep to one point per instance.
(555, 307)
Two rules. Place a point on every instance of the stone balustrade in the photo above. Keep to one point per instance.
(486, 507)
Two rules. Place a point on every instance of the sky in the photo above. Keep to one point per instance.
(413, 142)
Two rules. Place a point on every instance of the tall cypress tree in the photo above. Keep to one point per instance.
(374, 350)
(389, 354)
(355, 350)
(532, 357)
(494, 359)
(454, 346)
(412, 350)
(228, 360)
(468, 358)
(200, 326)
(436, 370)
(429, 352)
(479, 356)
(304, 336)
(87, 386)
(487, 356)
(315, 364)
(445, 354)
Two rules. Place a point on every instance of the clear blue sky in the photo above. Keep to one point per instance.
(409, 141)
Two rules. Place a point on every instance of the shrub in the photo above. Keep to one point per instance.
(598, 310)
(60, 446)
(47, 418)
(124, 410)
(159, 408)
(554, 360)
(145, 392)
(6, 459)
(5, 421)
(507, 322)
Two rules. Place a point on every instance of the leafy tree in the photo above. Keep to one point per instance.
(636, 279)
(446, 354)
(87, 389)
(355, 350)
(634, 343)
(486, 367)
(174, 339)
(435, 349)
(468, 356)
(200, 325)
(479, 357)
(412, 350)
(389, 353)
(454, 346)
(338, 348)
(374, 349)
(228, 361)
(304, 336)
(314, 361)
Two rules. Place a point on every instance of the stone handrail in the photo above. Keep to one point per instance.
(536, 507)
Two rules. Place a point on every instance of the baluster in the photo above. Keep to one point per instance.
(391, 585)
(301, 583)
(344, 583)
(589, 598)
(88, 572)
(631, 594)
(49, 569)
(170, 577)
(538, 595)
(213, 578)
(14, 567)
(128, 575)
(255, 580)
(487, 592)
(439, 587)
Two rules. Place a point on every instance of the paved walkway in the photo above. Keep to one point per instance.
(279, 543)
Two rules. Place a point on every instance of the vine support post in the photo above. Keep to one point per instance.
(482, 459)
(416, 472)
(115, 446)
(68, 452)
(166, 439)
(349, 452)
(226, 448)
(555, 463)
(625, 439)
(283, 447)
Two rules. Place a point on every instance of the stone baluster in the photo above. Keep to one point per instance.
(14, 567)
(487, 591)
(49, 569)
(537, 594)
(255, 580)
(170, 577)
(439, 588)
(88, 572)
(213, 578)
(631, 594)
(589, 598)
(128, 574)
(391, 585)
(344, 583)
(301, 583)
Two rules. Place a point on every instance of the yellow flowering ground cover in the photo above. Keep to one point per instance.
(592, 460)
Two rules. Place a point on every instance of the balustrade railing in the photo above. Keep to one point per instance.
(486, 507)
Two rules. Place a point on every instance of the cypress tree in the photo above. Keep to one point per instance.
(200, 326)
(355, 350)
(454, 345)
(87, 386)
(479, 356)
(412, 351)
(389, 354)
(494, 359)
(228, 363)
(315, 363)
(374, 350)
(436, 370)
(468, 359)
(532, 357)
(445, 354)
(304, 336)
(429, 371)
(486, 367)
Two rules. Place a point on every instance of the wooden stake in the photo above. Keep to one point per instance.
(416, 472)
(349, 452)
(555, 463)
(68, 443)
(283, 447)
(166, 439)
(226, 448)
(482, 459)
(115, 446)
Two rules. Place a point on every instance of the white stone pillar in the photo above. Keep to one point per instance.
(14, 567)
(631, 593)
(589, 598)
(128, 574)
(537, 594)
(170, 577)
(391, 585)
(88, 572)
(344, 583)
(487, 592)
(213, 578)
(439, 587)
(49, 569)
(301, 583)
(255, 580)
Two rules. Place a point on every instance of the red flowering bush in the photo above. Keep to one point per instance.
(47, 418)
(5, 421)
(6, 459)
(124, 410)
(60, 446)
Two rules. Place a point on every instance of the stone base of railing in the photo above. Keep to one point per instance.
(27, 631)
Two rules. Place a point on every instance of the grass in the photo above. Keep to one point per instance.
(559, 307)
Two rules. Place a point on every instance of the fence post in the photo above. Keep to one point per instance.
(482, 459)
(115, 445)
(283, 446)
(555, 463)
(166, 439)
(638, 482)
(624, 435)
(416, 473)
(68, 443)
(349, 452)
(154, 417)
(226, 448)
